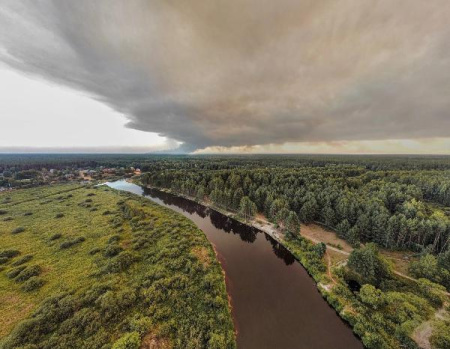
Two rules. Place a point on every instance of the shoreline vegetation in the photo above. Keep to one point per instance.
(91, 267)
(357, 307)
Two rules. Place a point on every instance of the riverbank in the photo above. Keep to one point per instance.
(263, 280)
(393, 328)
(301, 248)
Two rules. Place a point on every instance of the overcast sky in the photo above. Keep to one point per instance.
(329, 76)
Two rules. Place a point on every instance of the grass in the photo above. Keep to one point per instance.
(152, 271)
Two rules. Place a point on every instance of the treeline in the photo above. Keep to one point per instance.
(216, 162)
(362, 206)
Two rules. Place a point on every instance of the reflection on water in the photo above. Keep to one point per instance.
(275, 303)
(281, 251)
(219, 220)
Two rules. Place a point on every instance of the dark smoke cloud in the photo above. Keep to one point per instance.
(246, 72)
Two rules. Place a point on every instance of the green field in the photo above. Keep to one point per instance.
(93, 268)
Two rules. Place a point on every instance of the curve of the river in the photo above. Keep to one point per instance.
(275, 303)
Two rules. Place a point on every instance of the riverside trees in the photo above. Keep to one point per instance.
(385, 207)
(247, 208)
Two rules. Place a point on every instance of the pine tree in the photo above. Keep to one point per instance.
(247, 208)
(293, 223)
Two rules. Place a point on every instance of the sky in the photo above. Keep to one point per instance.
(251, 76)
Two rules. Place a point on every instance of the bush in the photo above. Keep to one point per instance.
(23, 260)
(59, 215)
(9, 253)
(369, 266)
(70, 243)
(128, 341)
(320, 249)
(28, 213)
(94, 251)
(29, 272)
(18, 230)
(4, 260)
(14, 272)
(120, 263)
(55, 236)
(114, 238)
(32, 284)
(440, 339)
(372, 296)
(7, 219)
(112, 250)
(2, 212)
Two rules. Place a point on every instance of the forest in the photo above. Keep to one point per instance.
(372, 203)
(394, 208)
(89, 267)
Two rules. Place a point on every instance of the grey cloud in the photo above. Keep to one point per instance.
(246, 72)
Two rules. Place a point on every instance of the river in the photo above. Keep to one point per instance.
(275, 303)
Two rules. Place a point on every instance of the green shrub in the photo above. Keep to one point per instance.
(55, 236)
(7, 219)
(320, 249)
(4, 260)
(18, 230)
(29, 272)
(23, 260)
(70, 243)
(59, 215)
(128, 341)
(14, 272)
(94, 251)
(9, 253)
(114, 238)
(217, 341)
(372, 296)
(112, 250)
(2, 212)
(440, 339)
(120, 263)
(28, 214)
(140, 324)
(32, 284)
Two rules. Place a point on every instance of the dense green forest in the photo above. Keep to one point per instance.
(372, 203)
(400, 209)
(88, 267)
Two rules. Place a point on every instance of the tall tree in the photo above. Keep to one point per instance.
(247, 208)
(293, 223)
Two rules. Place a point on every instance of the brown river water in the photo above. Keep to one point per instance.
(275, 303)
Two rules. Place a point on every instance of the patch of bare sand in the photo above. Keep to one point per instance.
(422, 333)
(318, 233)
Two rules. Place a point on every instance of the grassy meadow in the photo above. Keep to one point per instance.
(88, 267)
